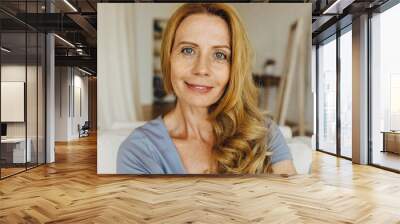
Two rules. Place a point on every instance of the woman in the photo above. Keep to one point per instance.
(216, 126)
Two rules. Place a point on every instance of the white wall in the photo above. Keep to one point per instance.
(33, 126)
(61, 103)
(15, 72)
(66, 121)
(268, 29)
(80, 82)
(144, 17)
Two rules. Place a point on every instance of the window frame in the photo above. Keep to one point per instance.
(334, 37)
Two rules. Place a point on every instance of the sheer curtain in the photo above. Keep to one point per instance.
(117, 80)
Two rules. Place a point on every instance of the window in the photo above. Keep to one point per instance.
(385, 89)
(22, 78)
(346, 93)
(327, 96)
(333, 137)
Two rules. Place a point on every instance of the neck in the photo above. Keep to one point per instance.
(186, 121)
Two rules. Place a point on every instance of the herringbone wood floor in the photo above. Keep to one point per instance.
(70, 191)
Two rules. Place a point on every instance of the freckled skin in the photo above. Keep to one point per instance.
(198, 57)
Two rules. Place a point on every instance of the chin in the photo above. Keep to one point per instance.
(198, 101)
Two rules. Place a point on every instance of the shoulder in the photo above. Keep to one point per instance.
(272, 129)
(137, 153)
(146, 135)
(276, 142)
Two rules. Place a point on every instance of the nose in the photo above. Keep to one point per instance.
(201, 66)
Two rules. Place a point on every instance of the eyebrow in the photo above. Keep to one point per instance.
(191, 43)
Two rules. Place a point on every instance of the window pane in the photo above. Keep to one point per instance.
(327, 97)
(346, 94)
(386, 89)
(13, 87)
(31, 100)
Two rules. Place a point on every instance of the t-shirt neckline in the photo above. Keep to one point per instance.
(175, 149)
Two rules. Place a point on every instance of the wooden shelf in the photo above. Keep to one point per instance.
(266, 80)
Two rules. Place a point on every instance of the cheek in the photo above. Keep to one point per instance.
(223, 77)
(179, 68)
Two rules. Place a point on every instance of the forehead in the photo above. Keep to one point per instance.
(203, 29)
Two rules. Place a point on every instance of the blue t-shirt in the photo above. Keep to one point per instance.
(150, 150)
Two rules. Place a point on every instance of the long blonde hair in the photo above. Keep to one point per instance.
(238, 125)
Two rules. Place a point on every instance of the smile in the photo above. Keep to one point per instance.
(198, 88)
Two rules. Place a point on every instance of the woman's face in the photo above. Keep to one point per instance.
(200, 59)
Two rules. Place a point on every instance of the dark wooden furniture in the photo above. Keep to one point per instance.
(266, 81)
(391, 141)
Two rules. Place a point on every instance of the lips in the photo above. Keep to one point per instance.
(198, 88)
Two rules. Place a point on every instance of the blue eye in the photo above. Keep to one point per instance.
(187, 51)
(220, 56)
